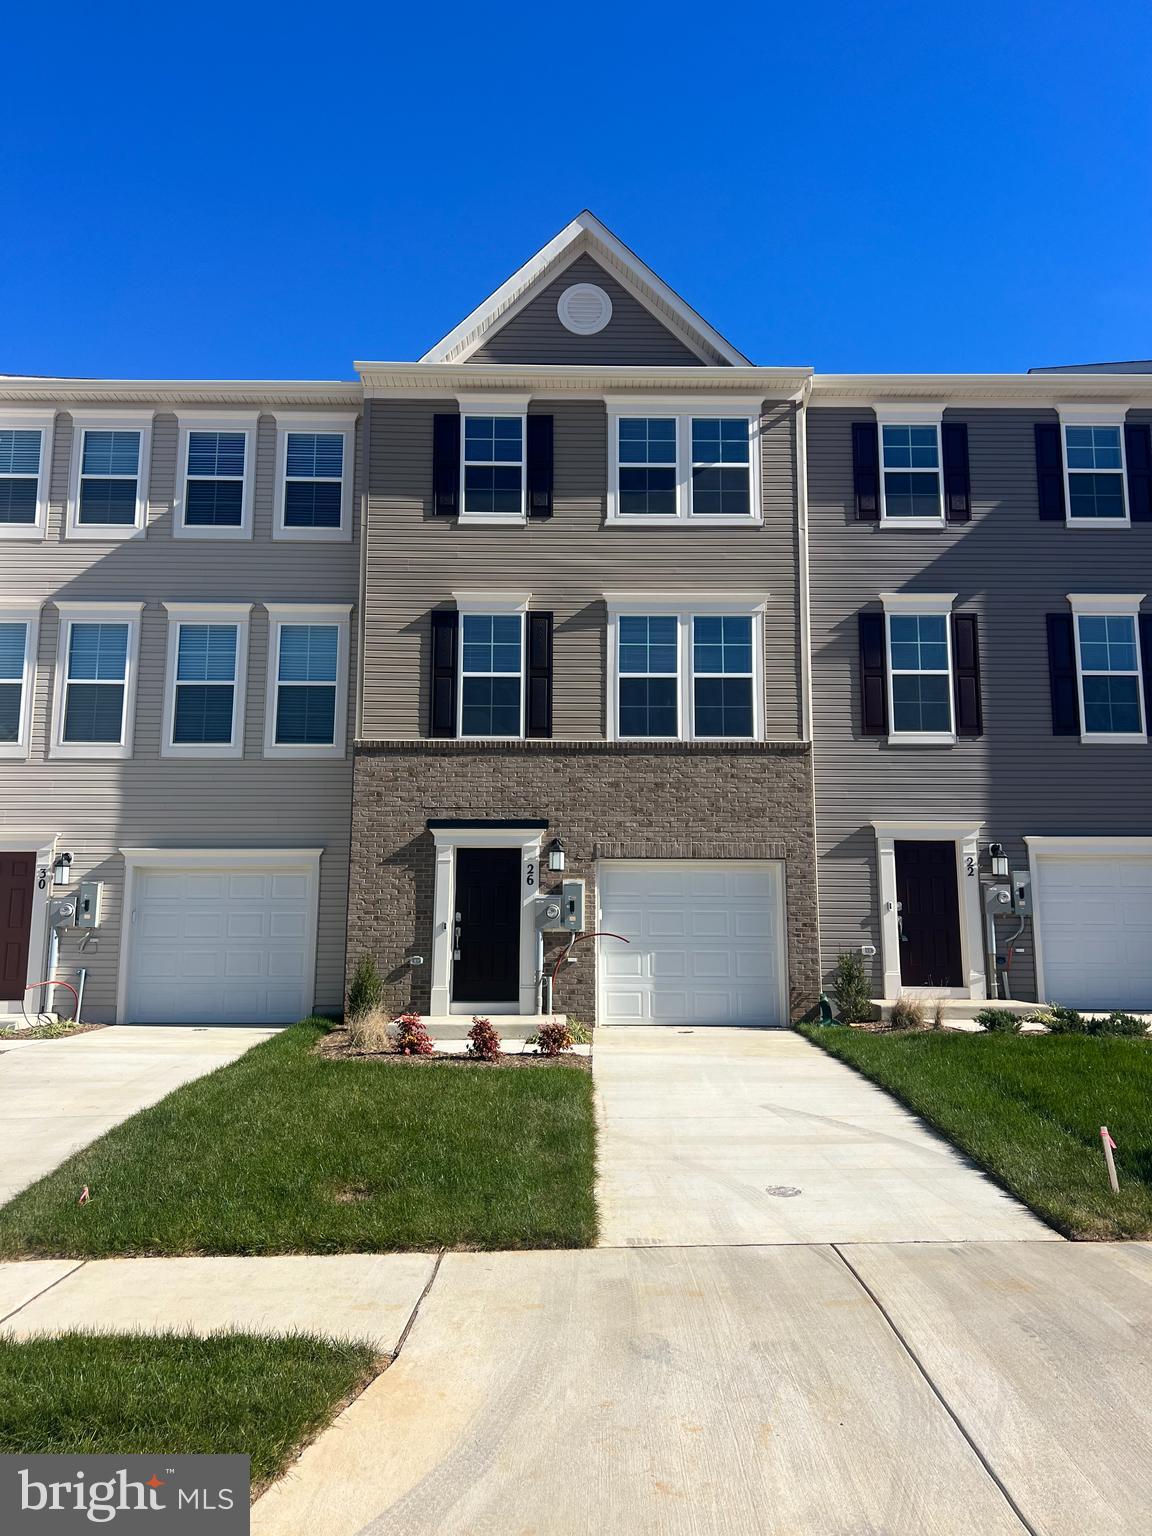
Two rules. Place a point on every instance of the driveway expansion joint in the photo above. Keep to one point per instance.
(51, 1286)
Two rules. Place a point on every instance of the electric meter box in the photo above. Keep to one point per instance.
(88, 904)
(1022, 891)
(572, 906)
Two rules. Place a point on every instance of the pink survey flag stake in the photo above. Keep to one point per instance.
(1109, 1148)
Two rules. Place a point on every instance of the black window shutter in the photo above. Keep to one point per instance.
(957, 486)
(1050, 472)
(866, 470)
(1138, 453)
(966, 674)
(539, 674)
(446, 464)
(873, 675)
(1062, 675)
(1145, 620)
(539, 466)
(442, 711)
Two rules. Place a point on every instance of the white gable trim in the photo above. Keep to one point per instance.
(585, 234)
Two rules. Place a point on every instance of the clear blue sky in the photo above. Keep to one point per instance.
(241, 191)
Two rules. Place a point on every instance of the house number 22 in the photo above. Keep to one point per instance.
(970, 863)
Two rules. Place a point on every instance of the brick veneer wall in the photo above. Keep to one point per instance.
(666, 800)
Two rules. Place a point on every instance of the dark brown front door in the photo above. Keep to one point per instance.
(929, 913)
(487, 966)
(17, 881)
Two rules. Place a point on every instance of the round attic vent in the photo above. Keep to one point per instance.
(584, 309)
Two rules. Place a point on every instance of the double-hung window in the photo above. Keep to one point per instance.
(214, 476)
(314, 456)
(204, 694)
(910, 477)
(492, 449)
(1108, 663)
(108, 490)
(920, 694)
(19, 625)
(1094, 468)
(491, 674)
(676, 466)
(307, 681)
(686, 670)
(25, 454)
(96, 679)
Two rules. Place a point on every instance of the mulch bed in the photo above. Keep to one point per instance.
(336, 1047)
(53, 1032)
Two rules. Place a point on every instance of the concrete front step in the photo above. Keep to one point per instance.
(509, 1026)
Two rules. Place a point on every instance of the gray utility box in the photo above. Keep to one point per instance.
(572, 906)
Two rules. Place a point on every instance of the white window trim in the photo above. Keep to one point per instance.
(911, 416)
(13, 611)
(215, 421)
(20, 419)
(495, 405)
(683, 609)
(966, 837)
(300, 421)
(307, 613)
(96, 613)
(1094, 416)
(484, 603)
(920, 603)
(1116, 605)
(236, 614)
(110, 421)
(683, 411)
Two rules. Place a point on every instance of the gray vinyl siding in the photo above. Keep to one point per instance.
(633, 336)
(414, 562)
(98, 807)
(1010, 569)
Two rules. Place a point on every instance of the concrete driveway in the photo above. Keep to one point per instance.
(58, 1095)
(903, 1390)
(757, 1136)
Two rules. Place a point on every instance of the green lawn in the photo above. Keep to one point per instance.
(1029, 1109)
(87, 1394)
(285, 1152)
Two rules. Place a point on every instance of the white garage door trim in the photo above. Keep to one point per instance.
(778, 937)
(1042, 851)
(282, 860)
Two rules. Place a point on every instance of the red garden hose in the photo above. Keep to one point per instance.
(579, 939)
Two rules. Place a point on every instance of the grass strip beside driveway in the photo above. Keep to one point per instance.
(285, 1152)
(89, 1394)
(1029, 1109)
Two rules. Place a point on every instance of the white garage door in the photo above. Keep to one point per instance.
(221, 946)
(706, 942)
(1095, 922)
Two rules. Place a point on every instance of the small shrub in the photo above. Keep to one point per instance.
(1000, 1021)
(1064, 1021)
(851, 989)
(483, 1041)
(412, 1038)
(581, 1034)
(370, 1030)
(367, 990)
(907, 1013)
(554, 1038)
(937, 1013)
(1118, 1023)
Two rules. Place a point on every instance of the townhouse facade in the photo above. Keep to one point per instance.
(580, 666)
(176, 660)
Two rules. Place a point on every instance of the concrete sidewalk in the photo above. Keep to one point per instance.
(58, 1095)
(757, 1136)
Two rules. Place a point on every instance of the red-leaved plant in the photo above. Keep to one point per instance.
(483, 1041)
(553, 1038)
(412, 1038)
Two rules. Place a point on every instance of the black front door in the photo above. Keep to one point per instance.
(929, 915)
(487, 967)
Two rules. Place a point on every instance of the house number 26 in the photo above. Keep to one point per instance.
(530, 875)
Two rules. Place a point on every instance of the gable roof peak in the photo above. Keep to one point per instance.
(586, 234)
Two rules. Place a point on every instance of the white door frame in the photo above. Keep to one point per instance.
(1069, 847)
(43, 844)
(136, 859)
(447, 840)
(966, 836)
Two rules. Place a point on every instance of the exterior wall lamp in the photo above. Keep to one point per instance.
(556, 856)
(999, 860)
